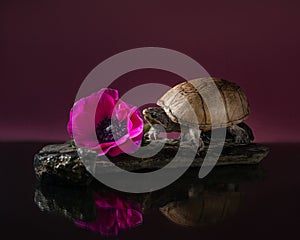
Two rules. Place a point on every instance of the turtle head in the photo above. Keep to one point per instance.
(156, 115)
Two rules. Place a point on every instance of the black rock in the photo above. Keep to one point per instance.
(60, 164)
(232, 154)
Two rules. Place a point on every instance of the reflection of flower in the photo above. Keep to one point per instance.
(110, 113)
(114, 214)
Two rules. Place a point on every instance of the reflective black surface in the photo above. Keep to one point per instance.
(232, 203)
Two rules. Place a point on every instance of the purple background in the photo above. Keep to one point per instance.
(48, 47)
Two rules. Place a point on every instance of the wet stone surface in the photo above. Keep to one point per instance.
(60, 163)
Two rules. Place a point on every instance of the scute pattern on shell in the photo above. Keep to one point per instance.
(182, 100)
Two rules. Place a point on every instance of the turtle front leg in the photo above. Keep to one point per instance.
(153, 133)
(196, 138)
(192, 135)
(239, 134)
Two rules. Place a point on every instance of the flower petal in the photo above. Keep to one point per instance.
(83, 126)
(106, 103)
(135, 125)
(88, 112)
(130, 146)
(69, 127)
(123, 110)
(104, 148)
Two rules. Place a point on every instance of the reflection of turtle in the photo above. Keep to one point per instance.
(179, 103)
(205, 209)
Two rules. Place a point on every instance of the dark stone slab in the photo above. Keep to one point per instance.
(251, 153)
(61, 164)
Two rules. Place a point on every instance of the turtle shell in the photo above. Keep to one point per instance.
(181, 100)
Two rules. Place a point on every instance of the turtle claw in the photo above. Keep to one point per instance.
(192, 138)
(201, 145)
(152, 134)
(242, 139)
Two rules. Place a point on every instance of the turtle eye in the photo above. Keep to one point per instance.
(154, 115)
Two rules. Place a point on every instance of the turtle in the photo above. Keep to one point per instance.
(174, 115)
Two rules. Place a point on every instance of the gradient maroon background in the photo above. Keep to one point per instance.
(48, 47)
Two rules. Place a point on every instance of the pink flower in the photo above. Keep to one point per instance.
(114, 214)
(92, 119)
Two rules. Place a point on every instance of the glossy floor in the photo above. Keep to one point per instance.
(232, 203)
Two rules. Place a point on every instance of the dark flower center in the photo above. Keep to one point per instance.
(104, 130)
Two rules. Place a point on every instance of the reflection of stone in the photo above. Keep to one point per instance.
(203, 209)
(224, 178)
(72, 203)
(188, 201)
(61, 164)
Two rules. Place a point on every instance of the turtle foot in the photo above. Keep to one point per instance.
(239, 134)
(192, 138)
(152, 134)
